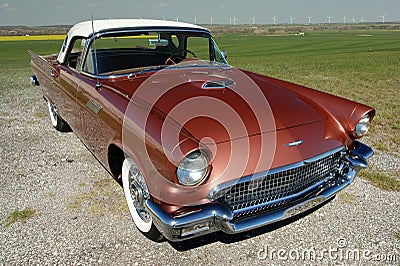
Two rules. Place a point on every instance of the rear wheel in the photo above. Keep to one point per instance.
(136, 192)
(56, 120)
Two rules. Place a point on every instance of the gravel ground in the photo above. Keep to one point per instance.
(81, 217)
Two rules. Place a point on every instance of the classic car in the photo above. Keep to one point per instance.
(198, 145)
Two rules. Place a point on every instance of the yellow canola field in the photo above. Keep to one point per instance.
(33, 38)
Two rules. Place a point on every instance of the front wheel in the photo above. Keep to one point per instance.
(136, 192)
(58, 123)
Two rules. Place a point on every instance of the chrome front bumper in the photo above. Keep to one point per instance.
(216, 216)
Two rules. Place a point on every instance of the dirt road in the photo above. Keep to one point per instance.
(80, 216)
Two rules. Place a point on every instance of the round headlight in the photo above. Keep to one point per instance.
(362, 126)
(192, 169)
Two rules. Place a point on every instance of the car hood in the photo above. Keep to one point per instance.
(248, 124)
(222, 105)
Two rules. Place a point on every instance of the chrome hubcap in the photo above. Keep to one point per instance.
(139, 193)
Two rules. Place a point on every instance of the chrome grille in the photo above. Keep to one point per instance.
(279, 187)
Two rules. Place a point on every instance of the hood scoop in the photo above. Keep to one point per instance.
(218, 84)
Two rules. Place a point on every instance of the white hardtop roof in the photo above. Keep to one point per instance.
(85, 29)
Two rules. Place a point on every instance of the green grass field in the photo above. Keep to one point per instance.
(360, 65)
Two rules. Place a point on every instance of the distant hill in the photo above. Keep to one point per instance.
(285, 29)
(217, 29)
(40, 30)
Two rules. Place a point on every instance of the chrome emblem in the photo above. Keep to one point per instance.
(294, 143)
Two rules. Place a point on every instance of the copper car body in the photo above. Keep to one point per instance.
(310, 143)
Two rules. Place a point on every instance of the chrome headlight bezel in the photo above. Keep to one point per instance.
(362, 126)
(193, 168)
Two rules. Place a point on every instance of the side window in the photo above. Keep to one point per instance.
(75, 55)
(88, 66)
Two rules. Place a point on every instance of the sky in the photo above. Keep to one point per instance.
(68, 12)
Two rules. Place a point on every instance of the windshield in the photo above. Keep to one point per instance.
(128, 52)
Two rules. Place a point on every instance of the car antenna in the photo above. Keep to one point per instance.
(98, 84)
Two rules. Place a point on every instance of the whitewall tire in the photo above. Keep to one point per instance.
(57, 122)
(136, 192)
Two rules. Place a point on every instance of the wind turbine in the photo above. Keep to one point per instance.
(309, 19)
(163, 17)
(235, 19)
(362, 20)
(329, 19)
(274, 19)
(383, 18)
(177, 19)
(291, 20)
(353, 19)
(253, 20)
(211, 21)
(230, 21)
(195, 20)
(344, 19)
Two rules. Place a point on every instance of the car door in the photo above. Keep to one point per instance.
(66, 86)
(66, 81)
(97, 122)
(99, 116)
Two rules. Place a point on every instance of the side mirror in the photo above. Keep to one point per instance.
(224, 54)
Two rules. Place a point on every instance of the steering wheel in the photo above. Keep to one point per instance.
(170, 60)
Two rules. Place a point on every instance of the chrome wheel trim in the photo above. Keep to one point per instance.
(136, 192)
(53, 114)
